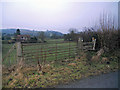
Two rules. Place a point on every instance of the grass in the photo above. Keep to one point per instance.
(33, 53)
(11, 58)
(57, 73)
(62, 71)
(54, 40)
(5, 48)
(50, 51)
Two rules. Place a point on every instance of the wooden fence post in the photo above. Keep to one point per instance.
(56, 51)
(19, 51)
(94, 42)
(80, 45)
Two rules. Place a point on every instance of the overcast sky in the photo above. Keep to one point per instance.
(58, 16)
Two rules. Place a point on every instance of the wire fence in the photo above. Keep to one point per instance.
(34, 53)
(9, 56)
(46, 53)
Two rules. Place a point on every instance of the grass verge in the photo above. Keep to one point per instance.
(55, 73)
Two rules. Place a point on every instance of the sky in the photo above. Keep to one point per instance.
(42, 15)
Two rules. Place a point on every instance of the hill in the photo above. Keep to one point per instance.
(31, 32)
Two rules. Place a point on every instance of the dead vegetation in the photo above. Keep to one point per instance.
(21, 75)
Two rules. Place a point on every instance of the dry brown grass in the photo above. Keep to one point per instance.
(98, 55)
(30, 76)
(72, 64)
(104, 60)
(95, 58)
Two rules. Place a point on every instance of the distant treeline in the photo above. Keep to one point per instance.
(8, 34)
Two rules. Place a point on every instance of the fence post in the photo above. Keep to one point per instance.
(94, 42)
(19, 51)
(69, 49)
(80, 44)
(56, 51)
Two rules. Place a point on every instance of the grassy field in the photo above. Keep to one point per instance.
(5, 48)
(51, 52)
(11, 58)
(54, 40)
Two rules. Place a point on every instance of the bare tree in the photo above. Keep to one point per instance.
(106, 30)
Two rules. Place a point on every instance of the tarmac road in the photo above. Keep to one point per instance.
(109, 80)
